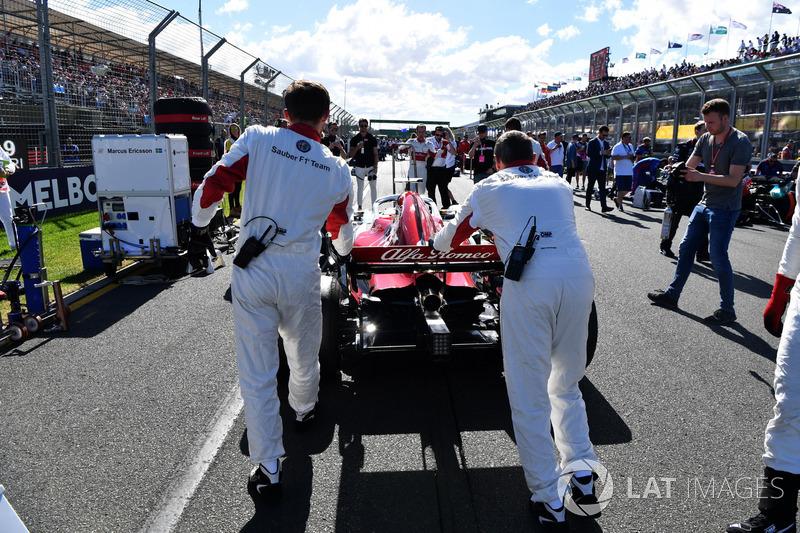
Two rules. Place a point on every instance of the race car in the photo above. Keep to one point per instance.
(396, 294)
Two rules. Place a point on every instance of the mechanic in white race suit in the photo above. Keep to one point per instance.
(777, 502)
(544, 320)
(294, 185)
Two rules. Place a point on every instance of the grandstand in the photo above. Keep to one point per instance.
(664, 104)
(108, 64)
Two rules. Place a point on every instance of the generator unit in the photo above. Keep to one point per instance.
(143, 196)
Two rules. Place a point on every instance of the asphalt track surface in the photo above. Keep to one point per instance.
(131, 420)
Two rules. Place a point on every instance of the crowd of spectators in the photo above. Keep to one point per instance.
(121, 91)
(765, 47)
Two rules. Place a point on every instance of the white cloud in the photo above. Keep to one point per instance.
(278, 30)
(232, 6)
(544, 30)
(568, 33)
(589, 14)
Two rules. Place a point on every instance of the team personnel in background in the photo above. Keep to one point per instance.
(543, 320)
(423, 149)
(573, 161)
(463, 150)
(450, 163)
(682, 196)
(482, 155)
(287, 200)
(644, 150)
(584, 158)
(334, 142)
(364, 149)
(770, 167)
(777, 503)
(599, 151)
(788, 150)
(7, 167)
(438, 174)
(543, 161)
(235, 196)
(622, 155)
(725, 154)
(556, 149)
(219, 143)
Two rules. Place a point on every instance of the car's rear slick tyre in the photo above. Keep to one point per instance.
(330, 357)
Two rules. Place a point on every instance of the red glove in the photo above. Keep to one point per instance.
(777, 304)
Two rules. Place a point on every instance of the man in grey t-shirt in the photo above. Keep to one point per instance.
(725, 153)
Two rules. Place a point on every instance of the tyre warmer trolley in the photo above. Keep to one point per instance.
(39, 311)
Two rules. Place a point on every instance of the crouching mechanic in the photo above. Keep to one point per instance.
(544, 321)
(294, 184)
(777, 502)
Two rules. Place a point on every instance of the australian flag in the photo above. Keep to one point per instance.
(777, 8)
(674, 45)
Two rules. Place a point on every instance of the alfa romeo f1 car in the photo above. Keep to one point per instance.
(396, 294)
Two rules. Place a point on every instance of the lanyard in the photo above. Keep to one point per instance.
(713, 142)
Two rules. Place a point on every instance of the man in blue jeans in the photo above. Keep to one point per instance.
(725, 153)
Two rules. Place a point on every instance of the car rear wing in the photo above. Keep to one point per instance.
(386, 259)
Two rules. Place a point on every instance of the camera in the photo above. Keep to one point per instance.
(250, 249)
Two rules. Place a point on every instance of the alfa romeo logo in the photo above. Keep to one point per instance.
(303, 145)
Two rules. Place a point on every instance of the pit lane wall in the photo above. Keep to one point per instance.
(62, 190)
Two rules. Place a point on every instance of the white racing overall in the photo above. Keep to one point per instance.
(298, 184)
(543, 317)
(782, 441)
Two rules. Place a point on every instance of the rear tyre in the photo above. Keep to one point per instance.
(109, 269)
(330, 356)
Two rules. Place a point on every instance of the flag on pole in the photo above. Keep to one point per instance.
(738, 25)
(695, 36)
(640, 55)
(777, 8)
(674, 45)
(611, 65)
(624, 59)
(718, 30)
(655, 52)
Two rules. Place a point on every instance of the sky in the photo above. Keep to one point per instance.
(388, 59)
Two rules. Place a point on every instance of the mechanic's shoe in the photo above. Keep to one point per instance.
(720, 318)
(550, 519)
(762, 524)
(588, 208)
(266, 484)
(666, 252)
(584, 496)
(663, 299)
(607, 209)
(303, 423)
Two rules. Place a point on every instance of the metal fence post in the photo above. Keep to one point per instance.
(242, 106)
(53, 143)
(151, 41)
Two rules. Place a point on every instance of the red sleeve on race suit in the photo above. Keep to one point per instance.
(463, 231)
(338, 218)
(338, 224)
(223, 179)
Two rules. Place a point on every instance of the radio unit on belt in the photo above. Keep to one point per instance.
(253, 247)
(520, 254)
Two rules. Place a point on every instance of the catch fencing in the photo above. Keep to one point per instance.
(71, 69)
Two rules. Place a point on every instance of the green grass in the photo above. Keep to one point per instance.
(62, 251)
